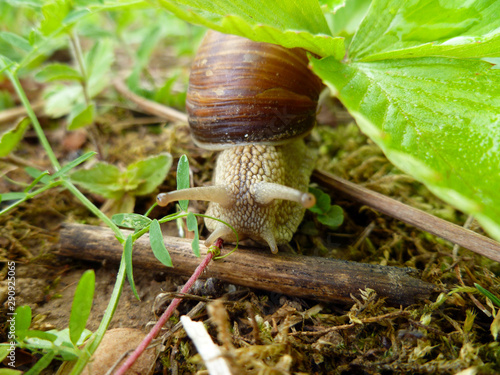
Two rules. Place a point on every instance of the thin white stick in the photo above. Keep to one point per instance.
(211, 354)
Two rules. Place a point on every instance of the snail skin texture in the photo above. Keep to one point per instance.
(255, 102)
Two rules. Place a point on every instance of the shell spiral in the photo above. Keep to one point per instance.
(242, 91)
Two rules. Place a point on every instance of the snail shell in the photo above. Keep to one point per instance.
(256, 102)
(242, 91)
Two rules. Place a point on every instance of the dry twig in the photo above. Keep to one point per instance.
(149, 106)
(11, 114)
(454, 233)
(372, 319)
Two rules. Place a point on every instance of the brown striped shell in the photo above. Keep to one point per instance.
(242, 91)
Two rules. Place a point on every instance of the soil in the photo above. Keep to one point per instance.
(262, 332)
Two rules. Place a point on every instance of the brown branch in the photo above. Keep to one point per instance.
(321, 279)
(371, 319)
(149, 106)
(454, 233)
(12, 114)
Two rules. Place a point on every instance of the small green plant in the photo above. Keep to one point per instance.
(65, 344)
(121, 187)
(74, 86)
(330, 215)
(42, 181)
(142, 224)
(495, 325)
(11, 137)
(488, 294)
(75, 99)
(4, 353)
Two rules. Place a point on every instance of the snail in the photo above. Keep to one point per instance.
(255, 102)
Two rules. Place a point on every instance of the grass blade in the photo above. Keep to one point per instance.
(73, 164)
(183, 179)
(488, 294)
(23, 321)
(157, 244)
(82, 304)
(192, 225)
(127, 253)
(41, 364)
(131, 221)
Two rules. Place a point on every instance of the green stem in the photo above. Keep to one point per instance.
(77, 52)
(92, 208)
(31, 114)
(170, 217)
(30, 195)
(120, 278)
(91, 347)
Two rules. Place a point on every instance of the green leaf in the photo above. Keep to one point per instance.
(38, 175)
(344, 21)
(418, 28)
(22, 321)
(168, 94)
(323, 201)
(75, 15)
(127, 253)
(437, 119)
(4, 351)
(142, 56)
(332, 4)
(157, 244)
(82, 304)
(61, 99)
(289, 23)
(140, 178)
(43, 177)
(102, 179)
(41, 335)
(149, 173)
(98, 64)
(488, 294)
(61, 345)
(16, 41)
(192, 225)
(54, 13)
(72, 164)
(81, 117)
(41, 364)
(131, 221)
(57, 71)
(11, 138)
(333, 218)
(9, 371)
(183, 179)
(11, 196)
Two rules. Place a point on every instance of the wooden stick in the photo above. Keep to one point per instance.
(454, 233)
(322, 279)
(11, 114)
(149, 106)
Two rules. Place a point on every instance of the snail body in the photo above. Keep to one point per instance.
(255, 102)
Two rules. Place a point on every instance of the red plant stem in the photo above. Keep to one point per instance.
(168, 312)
